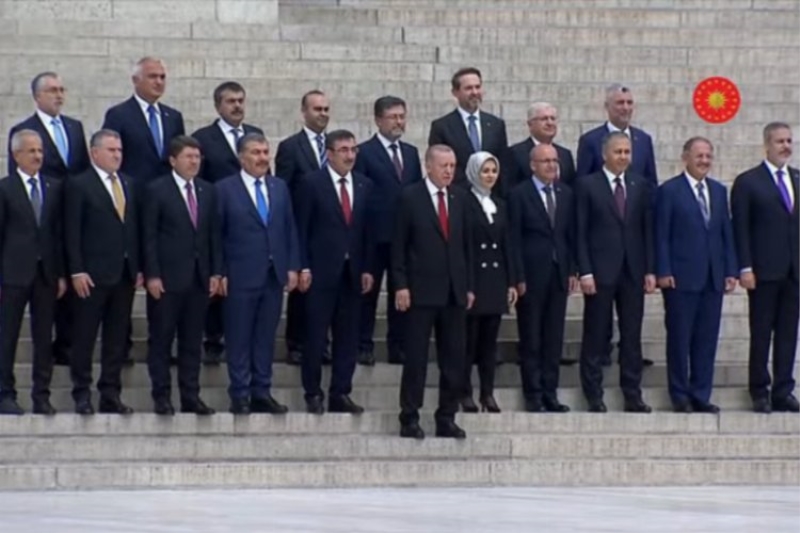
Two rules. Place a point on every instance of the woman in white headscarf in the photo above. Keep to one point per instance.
(495, 280)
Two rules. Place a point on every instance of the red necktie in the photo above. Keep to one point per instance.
(347, 211)
(443, 222)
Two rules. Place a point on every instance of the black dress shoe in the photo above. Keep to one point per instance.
(636, 406)
(314, 405)
(468, 405)
(762, 405)
(84, 407)
(327, 358)
(113, 406)
(294, 357)
(534, 406)
(450, 430)
(267, 404)
(164, 408)
(597, 406)
(789, 404)
(682, 407)
(43, 407)
(703, 407)
(366, 358)
(552, 405)
(647, 362)
(9, 406)
(567, 362)
(240, 406)
(412, 431)
(197, 407)
(489, 405)
(344, 404)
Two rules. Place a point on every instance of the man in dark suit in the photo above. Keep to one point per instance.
(616, 265)
(102, 242)
(183, 268)
(65, 154)
(432, 268)
(468, 129)
(764, 201)
(335, 254)
(220, 160)
(543, 127)
(542, 221)
(298, 155)
(390, 164)
(695, 265)
(261, 257)
(31, 267)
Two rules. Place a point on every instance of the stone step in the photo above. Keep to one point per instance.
(359, 473)
(311, 448)
(383, 423)
(386, 398)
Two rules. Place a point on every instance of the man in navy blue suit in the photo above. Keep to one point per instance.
(543, 128)
(695, 265)
(764, 201)
(335, 251)
(298, 155)
(619, 107)
(220, 160)
(261, 258)
(65, 154)
(391, 164)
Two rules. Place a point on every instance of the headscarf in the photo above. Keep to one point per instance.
(484, 195)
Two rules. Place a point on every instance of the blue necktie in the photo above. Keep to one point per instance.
(261, 203)
(701, 198)
(36, 200)
(473, 133)
(155, 131)
(323, 157)
(61, 140)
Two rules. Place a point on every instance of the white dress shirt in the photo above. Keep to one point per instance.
(387, 143)
(181, 184)
(25, 177)
(312, 138)
(540, 185)
(612, 128)
(227, 130)
(787, 178)
(47, 121)
(144, 105)
(611, 177)
(335, 177)
(433, 191)
(250, 184)
(693, 184)
(465, 119)
(106, 181)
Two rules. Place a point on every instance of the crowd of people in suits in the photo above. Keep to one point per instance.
(463, 234)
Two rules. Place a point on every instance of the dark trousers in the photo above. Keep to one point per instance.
(628, 296)
(295, 321)
(336, 309)
(481, 351)
(42, 298)
(396, 319)
(251, 319)
(540, 323)
(214, 326)
(693, 321)
(773, 308)
(178, 314)
(448, 322)
(111, 307)
(63, 321)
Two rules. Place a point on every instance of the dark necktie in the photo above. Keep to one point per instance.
(344, 197)
(192, 203)
(443, 220)
(550, 204)
(36, 200)
(619, 196)
(398, 166)
(472, 129)
(787, 200)
(323, 156)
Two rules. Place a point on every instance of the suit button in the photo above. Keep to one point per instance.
(494, 246)
(495, 264)
(483, 246)
(483, 265)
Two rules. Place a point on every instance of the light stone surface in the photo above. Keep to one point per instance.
(500, 510)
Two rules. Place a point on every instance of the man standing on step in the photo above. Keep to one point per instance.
(390, 164)
(616, 265)
(146, 127)
(695, 265)
(183, 269)
(543, 128)
(261, 258)
(764, 201)
(619, 108)
(220, 160)
(298, 155)
(102, 242)
(31, 267)
(336, 249)
(65, 154)
(432, 267)
(468, 129)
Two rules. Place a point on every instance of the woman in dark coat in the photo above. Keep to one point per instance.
(495, 280)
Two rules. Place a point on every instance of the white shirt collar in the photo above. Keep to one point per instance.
(465, 114)
(179, 181)
(100, 172)
(433, 189)
(386, 142)
(611, 177)
(612, 128)
(47, 119)
(251, 180)
(773, 169)
(313, 134)
(144, 104)
(227, 128)
(26, 177)
(694, 181)
(336, 177)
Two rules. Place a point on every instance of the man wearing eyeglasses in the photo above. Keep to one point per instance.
(543, 128)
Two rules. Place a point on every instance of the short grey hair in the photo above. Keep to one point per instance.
(99, 135)
(612, 136)
(19, 137)
(536, 107)
(248, 139)
(38, 80)
(137, 68)
(774, 126)
(432, 150)
(615, 88)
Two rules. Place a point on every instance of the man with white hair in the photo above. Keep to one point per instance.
(543, 128)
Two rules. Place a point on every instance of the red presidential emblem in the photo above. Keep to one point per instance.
(716, 100)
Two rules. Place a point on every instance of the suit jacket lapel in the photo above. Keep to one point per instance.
(244, 196)
(220, 139)
(136, 111)
(690, 197)
(427, 201)
(101, 193)
(408, 157)
(383, 155)
(332, 197)
(631, 194)
(538, 203)
(460, 129)
(606, 190)
(775, 192)
(305, 147)
(20, 193)
(177, 197)
(47, 141)
(487, 130)
(796, 186)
